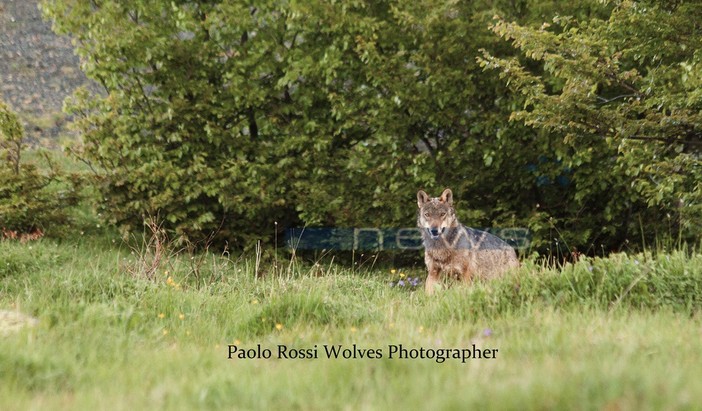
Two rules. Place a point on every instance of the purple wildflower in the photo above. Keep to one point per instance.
(487, 332)
(401, 283)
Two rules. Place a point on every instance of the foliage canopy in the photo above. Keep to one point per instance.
(220, 115)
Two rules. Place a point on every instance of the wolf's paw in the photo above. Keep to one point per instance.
(434, 288)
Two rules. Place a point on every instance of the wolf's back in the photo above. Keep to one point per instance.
(482, 240)
(492, 255)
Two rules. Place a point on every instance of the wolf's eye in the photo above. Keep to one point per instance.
(426, 214)
(443, 214)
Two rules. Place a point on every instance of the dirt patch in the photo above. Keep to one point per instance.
(13, 321)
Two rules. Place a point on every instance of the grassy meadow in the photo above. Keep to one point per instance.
(121, 328)
(146, 325)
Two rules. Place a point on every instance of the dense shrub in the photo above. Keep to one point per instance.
(226, 116)
(620, 99)
(30, 200)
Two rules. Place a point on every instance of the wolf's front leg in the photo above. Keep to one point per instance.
(432, 282)
(466, 271)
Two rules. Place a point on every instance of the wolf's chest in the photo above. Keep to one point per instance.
(449, 261)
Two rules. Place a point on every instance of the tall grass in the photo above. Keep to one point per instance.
(619, 332)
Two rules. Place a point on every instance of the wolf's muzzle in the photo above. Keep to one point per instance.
(435, 232)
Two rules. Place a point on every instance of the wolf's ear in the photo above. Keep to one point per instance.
(447, 197)
(422, 198)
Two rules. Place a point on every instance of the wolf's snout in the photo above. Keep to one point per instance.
(434, 231)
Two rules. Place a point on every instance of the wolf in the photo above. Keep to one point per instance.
(455, 251)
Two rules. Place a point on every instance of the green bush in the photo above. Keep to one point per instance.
(619, 96)
(31, 201)
(222, 116)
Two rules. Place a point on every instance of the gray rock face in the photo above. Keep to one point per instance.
(38, 70)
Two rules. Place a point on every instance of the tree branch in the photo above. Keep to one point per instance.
(429, 146)
(669, 140)
(604, 101)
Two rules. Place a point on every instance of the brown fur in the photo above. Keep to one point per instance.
(455, 251)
